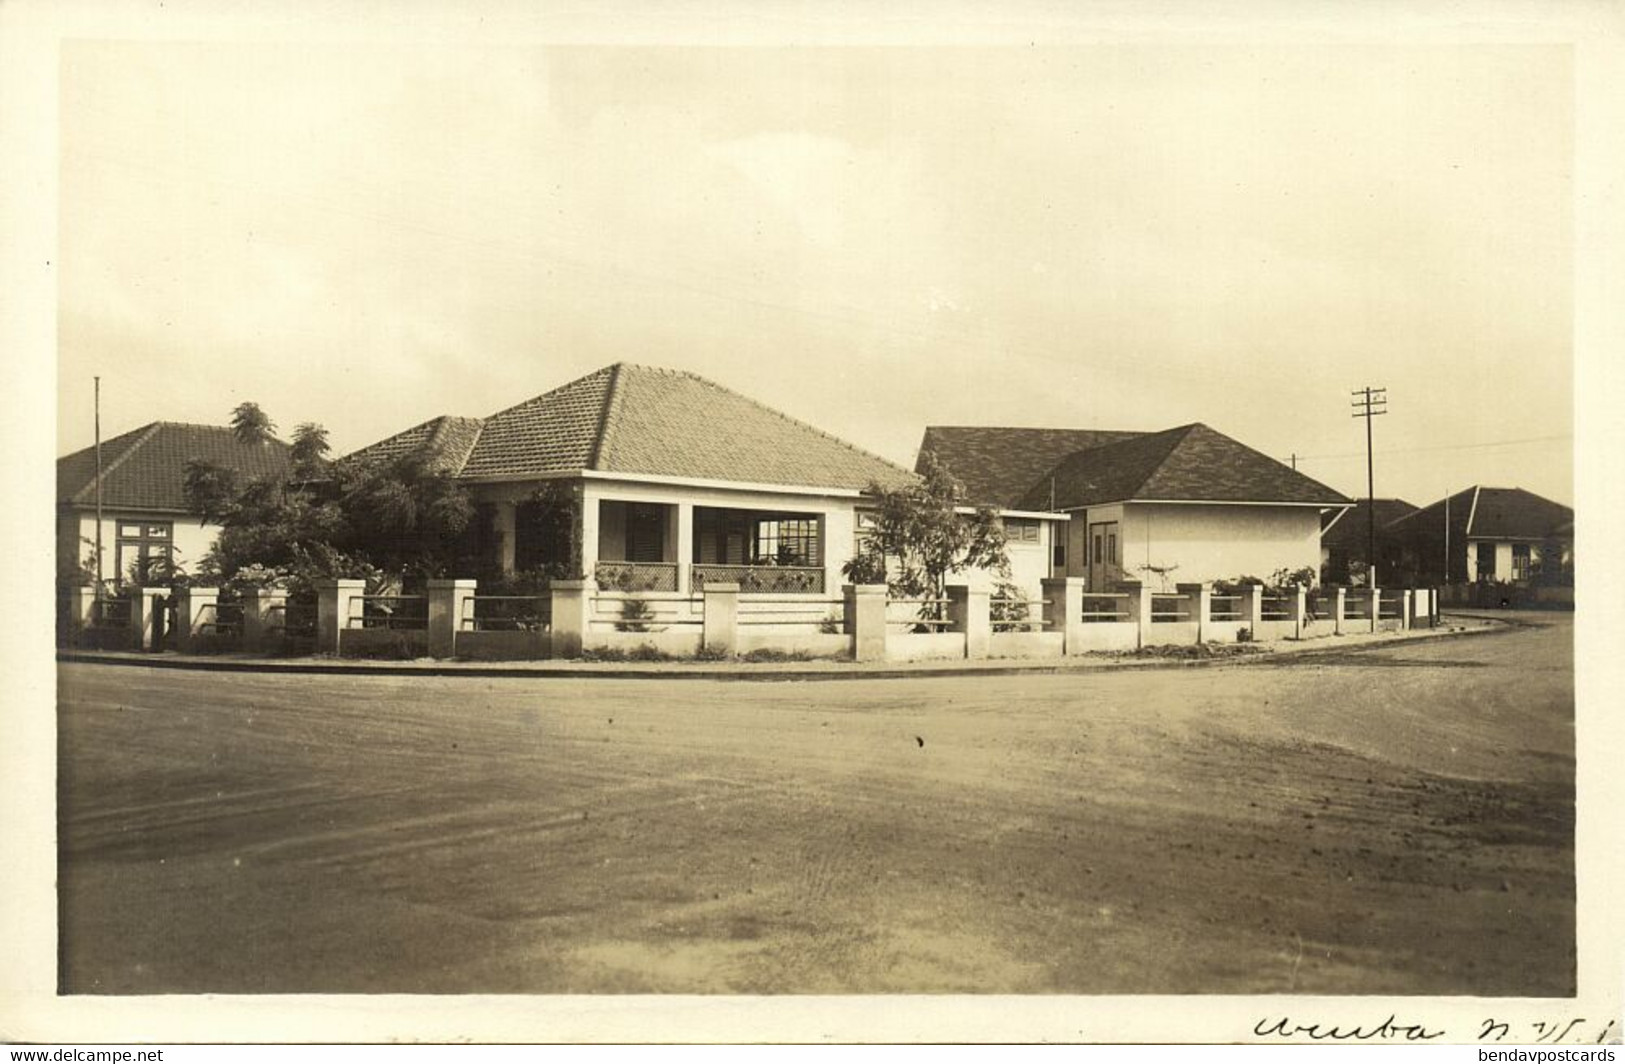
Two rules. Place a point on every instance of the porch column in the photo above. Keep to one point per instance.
(335, 605)
(572, 615)
(721, 631)
(505, 524)
(195, 607)
(685, 546)
(1200, 597)
(970, 612)
(589, 532)
(866, 620)
(143, 606)
(1063, 610)
(448, 599)
(1139, 608)
(258, 604)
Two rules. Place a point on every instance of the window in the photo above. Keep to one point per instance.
(138, 545)
(1486, 561)
(1520, 561)
(1111, 547)
(1021, 529)
(787, 541)
(1100, 552)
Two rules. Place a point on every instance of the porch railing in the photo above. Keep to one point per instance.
(762, 579)
(636, 576)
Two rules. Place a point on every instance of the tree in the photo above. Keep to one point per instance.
(252, 425)
(310, 448)
(924, 532)
(210, 489)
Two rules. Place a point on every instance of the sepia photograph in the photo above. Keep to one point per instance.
(1011, 516)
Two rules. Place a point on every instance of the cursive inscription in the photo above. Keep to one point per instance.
(1388, 1030)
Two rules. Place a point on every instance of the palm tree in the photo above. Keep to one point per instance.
(309, 447)
(250, 424)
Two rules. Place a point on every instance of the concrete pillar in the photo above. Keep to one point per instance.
(685, 545)
(1199, 599)
(1063, 610)
(1139, 608)
(1336, 600)
(970, 611)
(196, 608)
(81, 608)
(505, 526)
(448, 599)
(1252, 609)
(721, 633)
(336, 602)
(1297, 604)
(572, 616)
(866, 620)
(1405, 610)
(259, 637)
(1374, 597)
(144, 606)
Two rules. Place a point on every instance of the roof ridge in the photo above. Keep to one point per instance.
(107, 467)
(854, 448)
(608, 416)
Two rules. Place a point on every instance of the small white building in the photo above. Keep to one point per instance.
(145, 515)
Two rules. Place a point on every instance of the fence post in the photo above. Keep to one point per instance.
(193, 607)
(81, 610)
(1200, 596)
(1253, 604)
(143, 606)
(1375, 594)
(721, 614)
(1063, 610)
(1298, 603)
(447, 601)
(335, 605)
(572, 616)
(1405, 610)
(865, 610)
(970, 612)
(1337, 599)
(258, 602)
(1139, 608)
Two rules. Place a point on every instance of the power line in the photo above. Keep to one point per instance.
(1443, 447)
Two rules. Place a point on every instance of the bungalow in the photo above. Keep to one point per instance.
(1491, 535)
(1345, 537)
(1187, 504)
(668, 480)
(145, 514)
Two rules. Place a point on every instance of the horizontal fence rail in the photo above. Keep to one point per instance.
(404, 612)
(761, 579)
(1227, 608)
(1102, 607)
(110, 613)
(221, 618)
(1163, 614)
(506, 613)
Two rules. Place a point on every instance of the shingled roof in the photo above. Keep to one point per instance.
(998, 465)
(1191, 463)
(1494, 513)
(444, 442)
(1352, 528)
(645, 420)
(145, 469)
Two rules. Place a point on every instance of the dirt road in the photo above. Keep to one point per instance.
(1393, 821)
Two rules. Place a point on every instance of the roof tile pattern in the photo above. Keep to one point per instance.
(998, 465)
(1513, 513)
(146, 469)
(553, 433)
(1190, 463)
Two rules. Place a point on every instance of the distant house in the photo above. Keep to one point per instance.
(1183, 505)
(1490, 535)
(1345, 538)
(145, 515)
(675, 481)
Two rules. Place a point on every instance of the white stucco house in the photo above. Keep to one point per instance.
(1188, 504)
(676, 480)
(145, 515)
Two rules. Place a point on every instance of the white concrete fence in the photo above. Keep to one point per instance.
(577, 618)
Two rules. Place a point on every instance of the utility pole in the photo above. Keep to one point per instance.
(1446, 579)
(1294, 461)
(98, 486)
(1370, 403)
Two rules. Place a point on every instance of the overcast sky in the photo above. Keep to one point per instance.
(871, 240)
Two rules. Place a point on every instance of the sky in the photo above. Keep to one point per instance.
(869, 239)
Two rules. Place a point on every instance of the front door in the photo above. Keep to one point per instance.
(1104, 567)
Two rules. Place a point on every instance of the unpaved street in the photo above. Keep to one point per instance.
(1388, 821)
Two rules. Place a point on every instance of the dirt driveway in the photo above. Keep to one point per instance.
(1389, 821)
